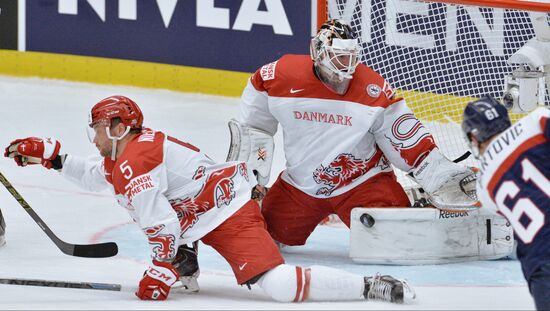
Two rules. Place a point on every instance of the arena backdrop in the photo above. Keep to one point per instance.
(212, 46)
(202, 46)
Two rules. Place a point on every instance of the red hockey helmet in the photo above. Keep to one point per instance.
(117, 107)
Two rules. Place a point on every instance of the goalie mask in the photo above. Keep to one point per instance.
(335, 54)
(114, 107)
(483, 119)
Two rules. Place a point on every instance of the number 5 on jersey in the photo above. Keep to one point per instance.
(126, 170)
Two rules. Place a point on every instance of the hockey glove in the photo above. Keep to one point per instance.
(448, 185)
(157, 281)
(34, 150)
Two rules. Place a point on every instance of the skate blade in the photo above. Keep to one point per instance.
(186, 286)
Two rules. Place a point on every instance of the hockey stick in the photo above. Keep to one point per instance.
(101, 250)
(64, 284)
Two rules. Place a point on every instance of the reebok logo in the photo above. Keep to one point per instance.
(421, 169)
(293, 91)
(454, 214)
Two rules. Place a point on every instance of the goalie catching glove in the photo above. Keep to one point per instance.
(448, 185)
(34, 150)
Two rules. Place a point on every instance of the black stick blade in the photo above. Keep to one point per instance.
(63, 284)
(91, 251)
(101, 250)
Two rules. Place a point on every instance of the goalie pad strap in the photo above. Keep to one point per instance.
(412, 236)
(253, 146)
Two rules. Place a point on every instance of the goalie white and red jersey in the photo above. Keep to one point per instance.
(174, 192)
(514, 181)
(332, 142)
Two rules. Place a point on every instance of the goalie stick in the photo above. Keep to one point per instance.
(101, 250)
(63, 284)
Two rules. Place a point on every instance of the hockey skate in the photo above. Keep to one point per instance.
(187, 264)
(386, 288)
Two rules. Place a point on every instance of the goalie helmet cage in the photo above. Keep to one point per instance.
(439, 55)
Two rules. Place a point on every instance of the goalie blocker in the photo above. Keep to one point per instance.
(413, 236)
(253, 146)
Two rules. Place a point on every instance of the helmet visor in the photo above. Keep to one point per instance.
(93, 128)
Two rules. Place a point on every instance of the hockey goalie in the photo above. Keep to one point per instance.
(343, 129)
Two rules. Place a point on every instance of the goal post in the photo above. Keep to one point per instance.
(531, 6)
(441, 54)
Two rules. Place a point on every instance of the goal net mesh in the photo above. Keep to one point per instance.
(437, 56)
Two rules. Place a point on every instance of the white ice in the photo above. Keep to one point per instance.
(37, 107)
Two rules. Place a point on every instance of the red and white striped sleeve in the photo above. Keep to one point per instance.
(402, 137)
(253, 109)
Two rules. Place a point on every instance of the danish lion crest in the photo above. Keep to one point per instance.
(225, 192)
(164, 245)
(218, 191)
(189, 210)
(339, 173)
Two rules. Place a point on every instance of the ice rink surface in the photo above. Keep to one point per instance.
(36, 107)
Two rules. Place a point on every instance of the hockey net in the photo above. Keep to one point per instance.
(438, 55)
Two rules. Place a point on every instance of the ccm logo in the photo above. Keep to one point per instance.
(160, 275)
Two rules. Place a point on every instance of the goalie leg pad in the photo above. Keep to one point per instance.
(415, 236)
(253, 146)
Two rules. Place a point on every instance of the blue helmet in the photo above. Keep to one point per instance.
(484, 118)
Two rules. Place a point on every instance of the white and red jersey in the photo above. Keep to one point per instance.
(174, 192)
(332, 142)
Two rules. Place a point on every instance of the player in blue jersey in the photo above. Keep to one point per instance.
(513, 181)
